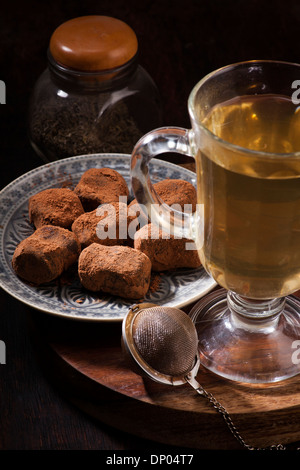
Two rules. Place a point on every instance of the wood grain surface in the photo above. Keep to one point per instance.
(87, 362)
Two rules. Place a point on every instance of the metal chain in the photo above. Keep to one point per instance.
(230, 424)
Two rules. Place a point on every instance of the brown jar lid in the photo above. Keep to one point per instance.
(93, 43)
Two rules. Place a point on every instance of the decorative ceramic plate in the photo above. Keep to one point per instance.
(69, 299)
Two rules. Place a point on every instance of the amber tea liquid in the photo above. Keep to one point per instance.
(252, 202)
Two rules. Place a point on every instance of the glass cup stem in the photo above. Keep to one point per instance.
(256, 315)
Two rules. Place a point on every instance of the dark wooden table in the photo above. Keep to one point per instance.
(179, 43)
(35, 412)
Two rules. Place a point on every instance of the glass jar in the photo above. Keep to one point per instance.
(93, 97)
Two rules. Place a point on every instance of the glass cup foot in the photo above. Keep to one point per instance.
(248, 341)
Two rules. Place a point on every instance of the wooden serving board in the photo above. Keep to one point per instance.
(85, 360)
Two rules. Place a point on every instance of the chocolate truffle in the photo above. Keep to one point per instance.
(177, 191)
(107, 225)
(54, 206)
(165, 251)
(171, 191)
(99, 186)
(44, 255)
(118, 270)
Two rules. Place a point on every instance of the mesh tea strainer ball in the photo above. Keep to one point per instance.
(162, 343)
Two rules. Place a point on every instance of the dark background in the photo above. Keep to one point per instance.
(179, 42)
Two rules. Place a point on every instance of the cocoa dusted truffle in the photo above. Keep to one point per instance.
(54, 206)
(165, 251)
(177, 191)
(118, 270)
(99, 186)
(44, 255)
(171, 191)
(107, 225)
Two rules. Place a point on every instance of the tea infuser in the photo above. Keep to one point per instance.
(162, 343)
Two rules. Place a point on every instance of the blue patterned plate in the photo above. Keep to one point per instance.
(70, 300)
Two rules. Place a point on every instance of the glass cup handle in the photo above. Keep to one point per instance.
(162, 140)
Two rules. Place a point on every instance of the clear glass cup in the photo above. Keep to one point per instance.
(245, 139)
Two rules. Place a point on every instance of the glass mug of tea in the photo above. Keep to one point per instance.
(245, 139)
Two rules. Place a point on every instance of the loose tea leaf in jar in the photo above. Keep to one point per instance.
(76, 131)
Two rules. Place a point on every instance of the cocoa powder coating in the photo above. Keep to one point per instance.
(175, 191)
(100, 186)
(165, 251)
(117, 270)
(63, 229)
(44, 255)
(171, 192)
(107, 225)
(54, 206)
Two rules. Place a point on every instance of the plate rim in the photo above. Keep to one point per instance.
(84, 156)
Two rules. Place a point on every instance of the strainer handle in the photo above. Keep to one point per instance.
(158, 141)
(225, 415)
